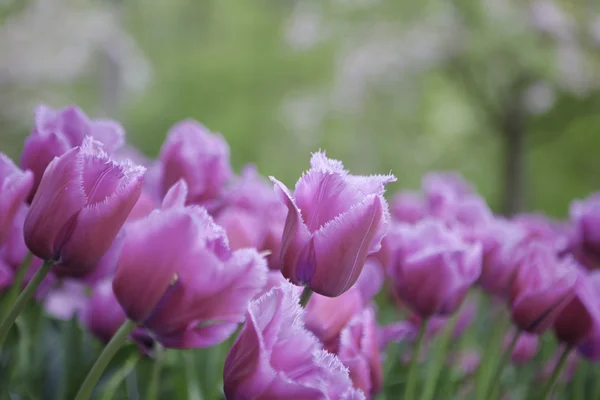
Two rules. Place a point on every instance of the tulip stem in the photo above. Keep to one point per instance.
(555, 374)
(153, 388)
(497, 372)
(411, 381)
(305, 296)
(87, 387)
(25, 295)
(19, 278)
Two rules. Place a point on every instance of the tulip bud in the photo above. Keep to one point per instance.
(433, 267)
(542, 287)
(192, 153)
(525, 349)
(15, 186)
(274, 357)
(82, 201)
(335, 220)
(57, 131)
(67, 300)
(103, 315)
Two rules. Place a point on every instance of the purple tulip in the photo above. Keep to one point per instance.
(15, 186)
(526, 348)
(325, 317)
(14, 249)
(66, 301)
(359, 352)
(252, 215)
(274, 357)
(500, 240)
(6, 275)
(191, 152)
(82, 201)
(335, 220)
(57, 131)
(586, 238)
(433, 267)
(408, 207)
(543, 285)
(274, 279)
(103, 315)
(370, 281)
(198, 289)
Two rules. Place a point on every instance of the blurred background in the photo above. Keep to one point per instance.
(507, 92)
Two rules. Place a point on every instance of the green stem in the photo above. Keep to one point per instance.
(431, 381)
(111, 387)
(19, 278)
(305, 296)
(85, 391)
(18, 306)
(490, 355)
(580, 381)
(411, 382)
(596, 386)
(497, 372)
(153, 389)
(556, 373)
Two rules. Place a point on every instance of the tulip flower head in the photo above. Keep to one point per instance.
(15, 186)
(334, 221)
(274, 357)
(191, 152)
(57, 131)
(542, 287)
(81, 204)
(432, 267)
(586, 219)
(178, 278)
(359, 352)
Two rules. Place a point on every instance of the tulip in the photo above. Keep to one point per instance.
(14, 250)
(371, 279)
(57, 131)
(408, 207)
(198, 290)
(442, 189)
(525, 348)
(335, 220)
(326, 316)
(433, 267)
(66, 301)
(191, 152)
(15, 186)
(586, 219)
(359, 352)
(103, 315)
(274, 357)
(542, 287)
(82, 201)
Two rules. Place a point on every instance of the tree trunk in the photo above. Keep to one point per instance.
(515, 168)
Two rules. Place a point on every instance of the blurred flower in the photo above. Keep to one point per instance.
(67, 300)
(395, 333)
(538, 227)
(57, 131)
(327, 316)
(191, 152)
(274, 279)
(371, 279)
(15, 186)
(585, 241)
(252, 215)
(14, 250)
(82, 201)
(275, 357)
(498, 239)
(433, 267)
(359, 352)
(542, 287)
(551, 20)
(466, 361)
(407, 207)
(198, 290)
(435, 325)
(6, 275)
(525, 349)
(578, 324)
(335, 220)
(103, 315)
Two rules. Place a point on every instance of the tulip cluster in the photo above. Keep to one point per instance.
(334, 295)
